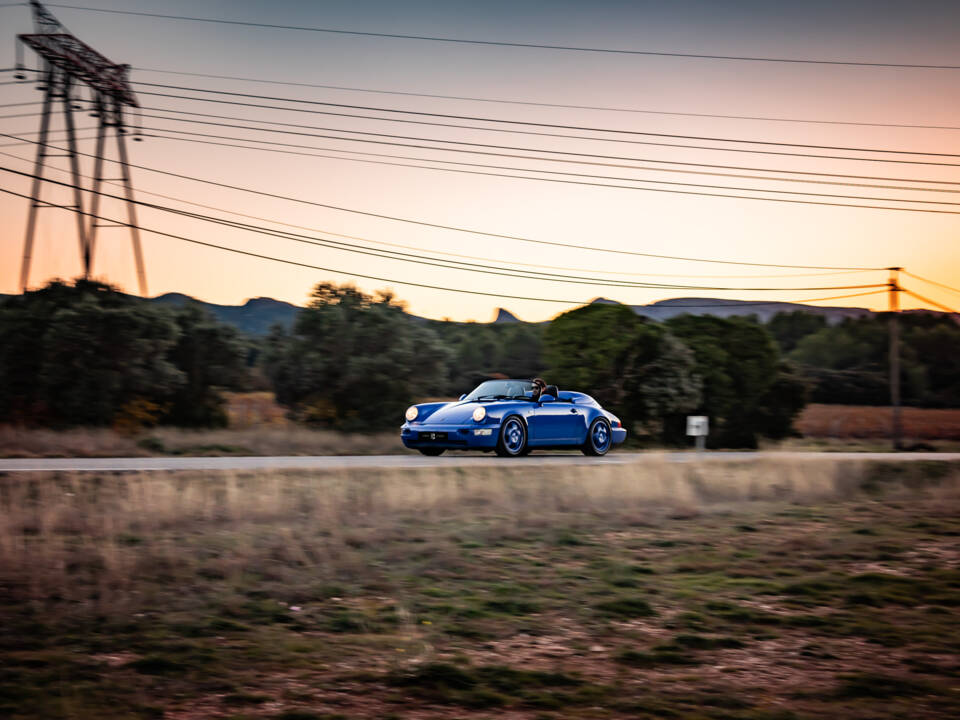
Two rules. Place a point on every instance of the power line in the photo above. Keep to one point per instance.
(20, 104)
(420, 260)
(558, 152)
(28, 142)
(449, 116)
(502, 43)
(932, 282)
(649, 143)
(500, 167)
(300, 264)
(18, 115)
(596, 184)
(457, 255)
(763, 118)
(454, 228)
(557, 105)
(583, 162)
(930, 302)
(305, 265)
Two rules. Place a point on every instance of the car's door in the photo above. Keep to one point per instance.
(556, 422)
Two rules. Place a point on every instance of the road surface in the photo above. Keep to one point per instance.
(331, 462)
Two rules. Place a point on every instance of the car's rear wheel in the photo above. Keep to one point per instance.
(599, 438)
(432, 452)
(513, 438)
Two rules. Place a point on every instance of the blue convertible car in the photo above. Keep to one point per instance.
(504, 416)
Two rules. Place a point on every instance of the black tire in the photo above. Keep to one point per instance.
(599, 438)
(432, 452)
(512, 441)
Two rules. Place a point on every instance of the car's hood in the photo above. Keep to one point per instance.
(453, 414)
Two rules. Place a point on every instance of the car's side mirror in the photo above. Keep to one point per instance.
(462, 397)
(547, 399)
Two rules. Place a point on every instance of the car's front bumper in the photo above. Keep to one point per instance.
(468, 436)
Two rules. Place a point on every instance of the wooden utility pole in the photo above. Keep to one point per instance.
(896, 430)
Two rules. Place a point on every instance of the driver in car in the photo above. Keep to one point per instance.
(538, 387)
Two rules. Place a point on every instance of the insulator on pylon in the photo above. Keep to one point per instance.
(19, 73)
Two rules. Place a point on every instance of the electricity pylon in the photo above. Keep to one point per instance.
(66, 63)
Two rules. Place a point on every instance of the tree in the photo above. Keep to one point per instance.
(747, 391)
(211, 355)
(353, 361)
(789, 328)
(86, 354)
(849, 362)
(938, 346)
(520, 350)
(632, 367)
(77, 354)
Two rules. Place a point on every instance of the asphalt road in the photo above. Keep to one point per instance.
(331, 462)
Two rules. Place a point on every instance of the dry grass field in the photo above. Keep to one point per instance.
(255, 440)
(258, 426)
(863, 422)
(713, 591)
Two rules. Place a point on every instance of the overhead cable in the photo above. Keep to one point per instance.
(505, 121)
(421, 250)
(504, 43)
(932, 282)
(602, 164)
(419, 260)
(501, 101)
(584, 182)
(930, 302)
(455, 228)
(534, 170)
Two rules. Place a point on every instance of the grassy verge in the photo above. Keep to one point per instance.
(264, 440)
(755, 591)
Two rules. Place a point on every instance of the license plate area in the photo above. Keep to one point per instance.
(431, 435)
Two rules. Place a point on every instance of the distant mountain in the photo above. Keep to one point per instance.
(505, 316)
(666, 309)
(255, 317)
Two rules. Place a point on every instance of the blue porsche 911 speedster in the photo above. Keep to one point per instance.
(507, 417)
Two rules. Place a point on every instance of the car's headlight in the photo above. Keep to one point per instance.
(480, 413)
(412, 413)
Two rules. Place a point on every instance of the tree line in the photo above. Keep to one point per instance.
(83, 353)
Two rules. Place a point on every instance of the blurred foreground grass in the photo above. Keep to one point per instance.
(764, 590)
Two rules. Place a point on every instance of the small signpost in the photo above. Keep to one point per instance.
(698, 426)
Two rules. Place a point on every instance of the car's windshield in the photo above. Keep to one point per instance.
(501, 389)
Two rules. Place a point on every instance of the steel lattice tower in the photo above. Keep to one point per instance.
(67, 63)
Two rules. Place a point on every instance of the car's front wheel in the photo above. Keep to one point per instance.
(599, 438)
(513, 438)
(432, 452)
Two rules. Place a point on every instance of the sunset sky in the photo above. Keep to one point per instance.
(631, 218)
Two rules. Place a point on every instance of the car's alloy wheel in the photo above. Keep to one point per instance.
(513, 438)
(432, 452)
(599, 438)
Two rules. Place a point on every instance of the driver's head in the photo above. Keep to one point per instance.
(538, 386)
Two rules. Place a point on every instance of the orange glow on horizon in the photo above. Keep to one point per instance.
(647, 221)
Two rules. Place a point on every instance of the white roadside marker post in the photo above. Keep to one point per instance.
(698, 426)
